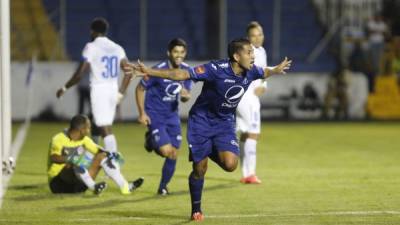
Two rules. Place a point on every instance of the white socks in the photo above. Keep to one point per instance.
(244, 168)
(113, 171)
(248, 157)
(110, 143)
(85, 177)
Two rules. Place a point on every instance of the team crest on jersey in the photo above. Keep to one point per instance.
(245, 81)
(200, 69)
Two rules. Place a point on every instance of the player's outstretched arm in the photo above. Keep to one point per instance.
(171, 74)
(139, 95)
(76, 77)
(278, 69)
(128, 76)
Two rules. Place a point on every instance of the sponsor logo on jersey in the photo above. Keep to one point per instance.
(171, 91)
(233, 96)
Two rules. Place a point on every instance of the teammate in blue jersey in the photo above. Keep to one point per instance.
(157, 101)
(211, 124)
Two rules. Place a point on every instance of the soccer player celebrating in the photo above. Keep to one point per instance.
(248, 111)
(75, 160)
(157, 101)
(211, 122)
(104, 58)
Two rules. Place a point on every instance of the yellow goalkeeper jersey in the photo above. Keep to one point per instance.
(61, 144)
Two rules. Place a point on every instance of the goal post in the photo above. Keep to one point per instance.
(5, 96)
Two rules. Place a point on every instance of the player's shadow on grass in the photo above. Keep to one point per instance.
(115, 202)
(178, 176)
(27, 186)
(27, 198)
(42, 194)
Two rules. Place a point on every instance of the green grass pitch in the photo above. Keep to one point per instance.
(312, 173)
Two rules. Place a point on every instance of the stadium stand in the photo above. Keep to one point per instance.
(300, 31)
(33, 33)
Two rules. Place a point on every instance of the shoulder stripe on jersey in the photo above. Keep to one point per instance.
(161, 65)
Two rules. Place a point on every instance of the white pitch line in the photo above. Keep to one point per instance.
(234, 216)
(340, 213)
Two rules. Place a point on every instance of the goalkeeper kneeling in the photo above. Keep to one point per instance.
(75, 160)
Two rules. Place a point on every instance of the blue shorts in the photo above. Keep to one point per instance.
(166, 131)
(207, 137)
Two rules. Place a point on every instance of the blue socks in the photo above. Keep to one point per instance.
(167, 172)
(196, 188)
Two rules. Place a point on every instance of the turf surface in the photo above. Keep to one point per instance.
(312, 173)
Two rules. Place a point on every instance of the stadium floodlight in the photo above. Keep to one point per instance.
(5, 108)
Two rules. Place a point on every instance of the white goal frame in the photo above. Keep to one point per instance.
(5, 95)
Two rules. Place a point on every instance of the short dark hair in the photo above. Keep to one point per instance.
(99, 25)
(77, 122)
(252, 25)
(176, 42)
(235, 46)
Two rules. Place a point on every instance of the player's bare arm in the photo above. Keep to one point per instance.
(279, 69)
(171, 74)
(128, 75)
(76, 77)
(139, 94)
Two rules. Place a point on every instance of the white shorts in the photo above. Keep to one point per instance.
(248, 116)
(104, 103)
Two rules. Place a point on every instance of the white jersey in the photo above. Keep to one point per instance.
(104, 57)
(260, 57)
(248, 110)
(260, 60)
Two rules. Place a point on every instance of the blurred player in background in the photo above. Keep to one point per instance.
(104, 58)
(248, 120)
(157, 101)
(75, 160)
(211, 123)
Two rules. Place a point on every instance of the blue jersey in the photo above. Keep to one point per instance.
(162, 95)
(222, 89)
